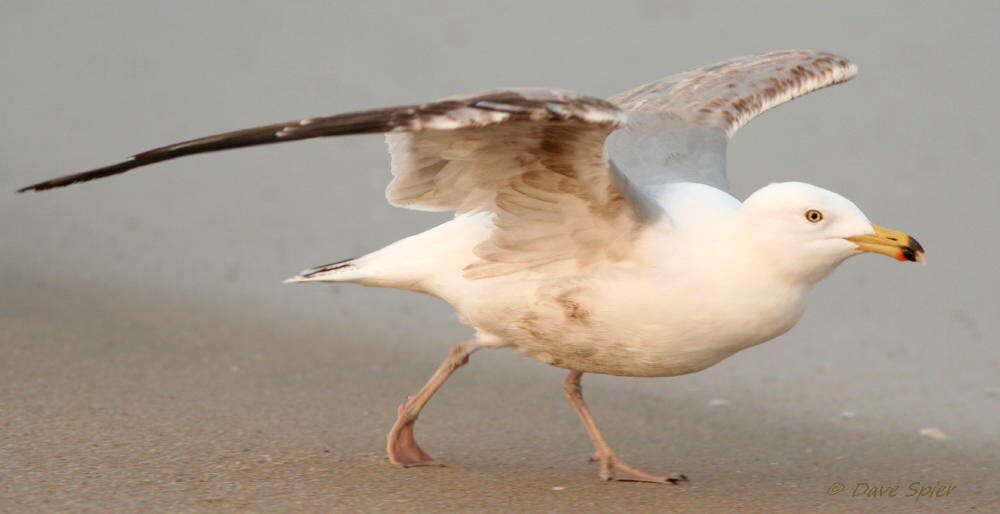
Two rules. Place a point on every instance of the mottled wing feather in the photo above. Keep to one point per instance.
(728, 94)
(678, 127)
(533, 157)
(545, 177)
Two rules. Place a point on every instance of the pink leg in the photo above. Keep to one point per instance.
(611, 467)
(402, 447)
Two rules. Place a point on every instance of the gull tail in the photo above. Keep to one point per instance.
(342, 271)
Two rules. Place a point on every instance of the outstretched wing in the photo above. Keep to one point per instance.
(680, 124)
(533, 157)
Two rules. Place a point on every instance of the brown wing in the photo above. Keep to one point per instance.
(548, 181)
(533, 157)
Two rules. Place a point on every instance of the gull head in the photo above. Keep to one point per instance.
(805, 231)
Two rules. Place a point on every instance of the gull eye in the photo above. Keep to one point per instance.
(814, 216)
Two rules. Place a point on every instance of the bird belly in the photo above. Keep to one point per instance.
(618, 320)
(631, 329)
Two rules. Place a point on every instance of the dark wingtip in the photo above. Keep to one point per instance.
(66, 180)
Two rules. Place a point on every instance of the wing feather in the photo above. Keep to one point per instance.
(533, 157)
(678, 127)
(729, 94)
(450, 114)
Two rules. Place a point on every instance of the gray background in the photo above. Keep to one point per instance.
(151, 359)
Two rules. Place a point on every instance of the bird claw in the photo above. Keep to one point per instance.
(614, 469)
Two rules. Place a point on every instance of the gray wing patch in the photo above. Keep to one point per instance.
(653, 148)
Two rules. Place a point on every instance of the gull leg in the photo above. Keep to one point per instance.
(611, 467)
(402, 447)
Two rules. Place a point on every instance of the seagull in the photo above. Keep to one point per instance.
(598, 236)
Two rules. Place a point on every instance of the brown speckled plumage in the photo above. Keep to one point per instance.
(727, 95)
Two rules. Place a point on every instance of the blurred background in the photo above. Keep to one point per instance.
(151, 358)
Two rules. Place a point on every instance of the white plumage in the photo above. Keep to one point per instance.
(700, 283)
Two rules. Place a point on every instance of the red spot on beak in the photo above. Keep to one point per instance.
(900, 256)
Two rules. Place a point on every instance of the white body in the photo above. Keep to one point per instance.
(694, 292)
(597, 235)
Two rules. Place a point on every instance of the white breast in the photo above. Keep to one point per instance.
(689, 300)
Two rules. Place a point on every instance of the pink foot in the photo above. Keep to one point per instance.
(614, 469)
(402, 446)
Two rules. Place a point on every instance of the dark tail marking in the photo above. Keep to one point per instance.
(347, 263)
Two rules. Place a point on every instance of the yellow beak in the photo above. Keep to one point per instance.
(895, 244)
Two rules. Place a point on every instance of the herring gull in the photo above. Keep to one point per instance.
(599, 236)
